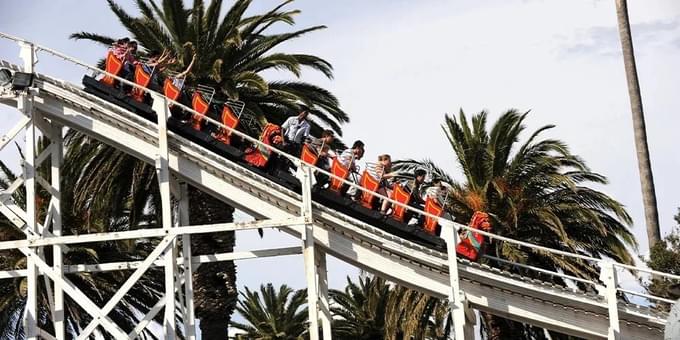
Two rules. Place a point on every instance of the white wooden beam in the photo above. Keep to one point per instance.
(198, 259)
(75, 293)
(308, 252)
(608, 276)
(189, 318)
(55, 206)
(146, 233)
(27, 54)
(5, 139)
(324, 303)
(148, 318)
(115, 299)
(160, 106)
(457, 300)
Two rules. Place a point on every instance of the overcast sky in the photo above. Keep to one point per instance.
(401, 65)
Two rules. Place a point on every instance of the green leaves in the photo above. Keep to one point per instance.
(537, 191)
(273, 314)
(233, 53)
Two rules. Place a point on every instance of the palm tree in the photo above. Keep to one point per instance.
(639, 129)
(232, 53)
(99, 286)
(274, 315)
(536, 191)
(359, 311)
(414, 315)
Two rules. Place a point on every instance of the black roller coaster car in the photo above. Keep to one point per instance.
(259, 159)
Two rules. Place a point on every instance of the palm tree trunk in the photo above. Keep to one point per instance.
(215, 292)
(644, 164)
(493, 328)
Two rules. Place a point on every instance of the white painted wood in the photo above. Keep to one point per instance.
(131, 265)
(309, 253)
(69, 288)
(456, 297)
(57, 159)
(160, 106)
(143, 233)
(608, 276)
(188, 264)
(27, 54)
(324, 303)
(9, 136)
(115, 299)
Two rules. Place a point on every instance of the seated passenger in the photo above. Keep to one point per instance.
(120, 48)
(173, 89)
(417, 188)
(323, 150)
(178, 79)
(320, 147)
(436, 188)
(259, 155)
(295, 130)
(154, 66)
(472, 244)
(115, 62)
(348, 158)
(146, 75)
(130, 59)
(383, 172)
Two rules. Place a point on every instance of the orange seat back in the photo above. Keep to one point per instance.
(113, 66)
(402, 196)
(338, 170)
(201, 106)
(142, 79)
(371, 184)
(432, 207)
(308, 155)
(170, 90)
(229, 120)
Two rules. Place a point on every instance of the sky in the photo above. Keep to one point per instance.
(401, 65)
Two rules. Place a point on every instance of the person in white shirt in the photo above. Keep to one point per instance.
(348, 159)
(296, 129)
(349, 156)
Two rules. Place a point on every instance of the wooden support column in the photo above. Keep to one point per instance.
(57, 254)
(27, 54)
(324, 304)
(309, 253)
(163, 173)
(189, 317)
(463, 318)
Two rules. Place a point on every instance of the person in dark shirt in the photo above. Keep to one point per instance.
(417, 187)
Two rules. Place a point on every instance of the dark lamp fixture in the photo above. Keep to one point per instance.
(22, 80)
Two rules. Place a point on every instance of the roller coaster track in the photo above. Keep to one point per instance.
(597, 313)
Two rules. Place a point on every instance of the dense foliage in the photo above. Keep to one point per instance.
(665, 257)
